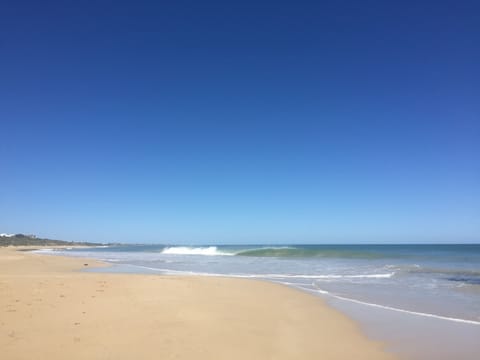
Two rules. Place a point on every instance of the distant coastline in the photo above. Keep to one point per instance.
(32, 240)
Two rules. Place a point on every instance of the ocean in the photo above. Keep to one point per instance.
(418, 283)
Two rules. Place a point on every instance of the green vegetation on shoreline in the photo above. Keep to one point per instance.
(29, 240)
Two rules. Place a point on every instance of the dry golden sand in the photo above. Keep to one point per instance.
(48, 310)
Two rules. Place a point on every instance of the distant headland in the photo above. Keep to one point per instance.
(33, 240)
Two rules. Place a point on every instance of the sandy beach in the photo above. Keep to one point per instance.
(50, 310)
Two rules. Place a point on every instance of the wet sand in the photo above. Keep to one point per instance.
(50, 310)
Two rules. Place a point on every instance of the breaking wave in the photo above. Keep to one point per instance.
(305, 251)
(185, 250)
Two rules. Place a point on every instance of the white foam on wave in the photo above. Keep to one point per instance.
(180, 272)
(45, 251)
(185, 250)
(262, 276)
(390, 308)
(331, 276)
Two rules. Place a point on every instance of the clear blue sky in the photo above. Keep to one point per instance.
(261, 122)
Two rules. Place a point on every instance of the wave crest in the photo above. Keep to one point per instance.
(303, 252)
(186, 250)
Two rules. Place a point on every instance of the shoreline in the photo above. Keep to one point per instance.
(50, 308)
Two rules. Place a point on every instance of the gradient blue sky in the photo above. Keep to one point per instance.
(261, 122)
